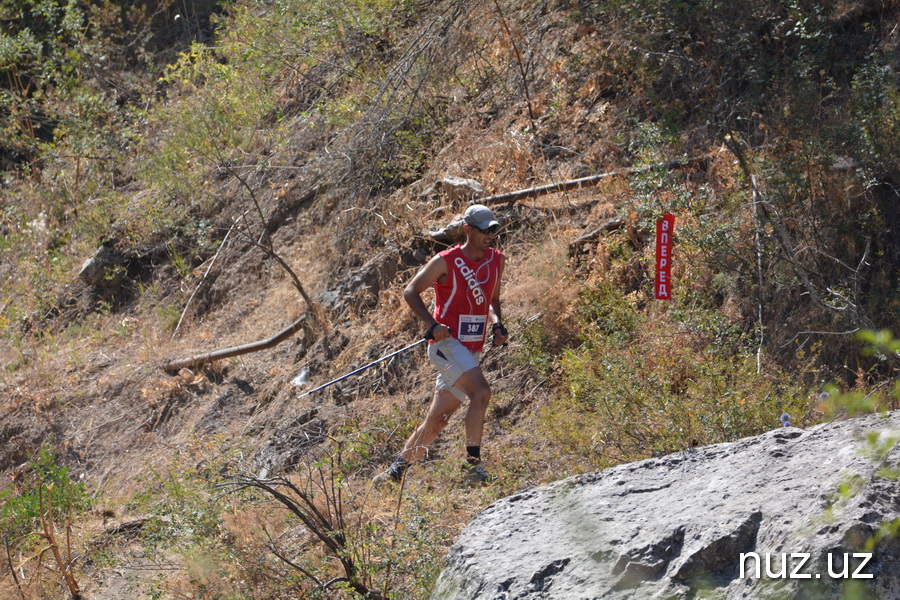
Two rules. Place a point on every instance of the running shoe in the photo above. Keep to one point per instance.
(478, 474)
(393, 474)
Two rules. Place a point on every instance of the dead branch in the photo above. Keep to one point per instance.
(273, 548)
(202, 359)
(422, 47)
(126, 527)
(65, 566)
(735, 148)
(399, 94)
(206, 274)
(329, 528)
(318, 314)
(222, 162)
(453, 231)
(574, 184)
(12, 568)
(450, 233)
(591, 236)
(850, 308)
(519, 63)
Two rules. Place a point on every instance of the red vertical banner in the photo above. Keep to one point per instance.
(665, 227)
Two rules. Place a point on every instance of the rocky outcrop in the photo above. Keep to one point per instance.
(359, 289)
(104, 269)
(458, 190)
(682, 526)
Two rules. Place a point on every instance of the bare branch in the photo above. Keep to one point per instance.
(574, 184)
(202, 359)
(328, 529)
(519, 63)
(735, 148)
(12, 568)
(316, 311)
(206, 274)
(852, 309)
(799, 333)
(592, 236)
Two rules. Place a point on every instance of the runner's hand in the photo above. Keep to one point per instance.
(501, 335)
(438, 332)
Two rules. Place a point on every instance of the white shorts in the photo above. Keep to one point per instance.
(452, 359)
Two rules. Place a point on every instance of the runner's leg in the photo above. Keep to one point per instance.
(476, 387)
(442, 407)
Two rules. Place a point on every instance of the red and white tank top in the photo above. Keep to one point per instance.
(463, 300)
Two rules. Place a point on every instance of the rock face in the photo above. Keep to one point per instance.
(675, 527)
(459, 190)
(104, 269)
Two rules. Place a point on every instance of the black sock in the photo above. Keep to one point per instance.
(473, 454)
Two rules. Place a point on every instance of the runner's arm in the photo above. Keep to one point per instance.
(424, 279)
(495, 312)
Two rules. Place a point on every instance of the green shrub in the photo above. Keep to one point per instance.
(864, 398)
(603, 311)
(181, 513)
(20, 503)
(666, 392)
(534, 349)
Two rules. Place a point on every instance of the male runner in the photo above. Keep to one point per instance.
(466, 281)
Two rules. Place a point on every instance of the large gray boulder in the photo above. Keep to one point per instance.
(676, 527)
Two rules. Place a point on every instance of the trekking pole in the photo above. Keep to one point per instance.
(361, 369)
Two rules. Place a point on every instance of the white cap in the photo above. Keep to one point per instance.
(480, 216)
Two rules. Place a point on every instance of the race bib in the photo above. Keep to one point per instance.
(471, 328)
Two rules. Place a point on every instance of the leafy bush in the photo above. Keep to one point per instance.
(604, 312)
(657, 397)
(875, 126)
(20, 503)
(864, 397)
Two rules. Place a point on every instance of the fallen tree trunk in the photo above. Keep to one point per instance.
(202, 359)
(573, 184)
(452, 232)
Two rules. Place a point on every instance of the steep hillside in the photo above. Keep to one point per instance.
(239, 168)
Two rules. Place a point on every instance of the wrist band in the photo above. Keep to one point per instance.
(498, 325)
(430, 334)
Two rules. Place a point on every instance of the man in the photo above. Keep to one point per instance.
(466, 281)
